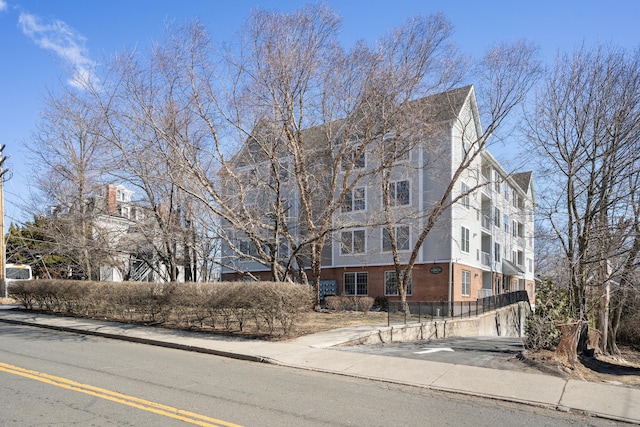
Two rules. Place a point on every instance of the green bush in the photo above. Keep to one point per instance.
(552, 309)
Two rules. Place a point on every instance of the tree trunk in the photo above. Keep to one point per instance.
(571, 343)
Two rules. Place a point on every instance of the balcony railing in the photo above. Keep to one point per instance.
(486, 259)
(484, 293)
(486, 222)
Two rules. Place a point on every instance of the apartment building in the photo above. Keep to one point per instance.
(482, 243)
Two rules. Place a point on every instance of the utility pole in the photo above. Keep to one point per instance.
(3, 249)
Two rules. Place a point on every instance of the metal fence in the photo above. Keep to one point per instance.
(419, 311)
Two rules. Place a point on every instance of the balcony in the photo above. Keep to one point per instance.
(486, 259)
(486, 222)
(484, 293)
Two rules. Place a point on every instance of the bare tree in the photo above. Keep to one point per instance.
(586, 126)
(70, 163)
(147, 118)
(305, 114)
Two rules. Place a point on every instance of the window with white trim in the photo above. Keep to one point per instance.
(496, 252)
(247, 247)
(394, 151)
(401, 234)
(464, 239)
(466, 198)
(352, 242)
(399, 193)
(497, 179)
(354, 200)
(355, 159)
(466, 283)
(356, 284)
(496, 217)
(391, 284)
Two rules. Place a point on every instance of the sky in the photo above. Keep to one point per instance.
(41, 39)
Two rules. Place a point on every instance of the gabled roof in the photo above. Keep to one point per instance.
(445, 106)
(523, 179)
(432, 109)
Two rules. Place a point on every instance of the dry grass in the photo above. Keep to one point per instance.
(623, 369)
(325, 320)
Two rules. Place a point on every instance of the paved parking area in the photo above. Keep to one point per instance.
(488, 352)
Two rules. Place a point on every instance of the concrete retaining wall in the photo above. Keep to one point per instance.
(504, 322)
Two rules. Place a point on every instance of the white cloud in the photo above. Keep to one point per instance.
(3, 6)
(65, 42)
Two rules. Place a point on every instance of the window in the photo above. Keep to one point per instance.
(466, 283)
(530, 263)
(399, 193)
(247, 247)
(505, 221)
(354, 200)
(514, 198)
(506, 191)
(401, 236)
(283, 249)
(496, 217)
(464, 239)
(356, 283)
(394, 150)
(464, 191)
(391, 283)
(352, 242)
(354, 159)
(496, 252)
(138, 214)
(496, 180)
(514, 228)
(124, 211)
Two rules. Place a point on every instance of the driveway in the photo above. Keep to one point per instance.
(488, 352)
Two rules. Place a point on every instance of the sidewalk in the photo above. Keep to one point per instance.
(313, 352)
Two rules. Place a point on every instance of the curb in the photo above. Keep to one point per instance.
(138, 340)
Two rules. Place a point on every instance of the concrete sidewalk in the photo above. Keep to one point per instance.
(313, 353)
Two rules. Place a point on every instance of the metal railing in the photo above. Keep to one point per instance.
(420, 311)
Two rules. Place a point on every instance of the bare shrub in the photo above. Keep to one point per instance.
(334, 303)
(233, 305)
(23, 293)
(363, 303)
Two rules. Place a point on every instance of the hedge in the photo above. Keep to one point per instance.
(265, 308)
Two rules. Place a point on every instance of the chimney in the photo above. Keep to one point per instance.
(112, 208)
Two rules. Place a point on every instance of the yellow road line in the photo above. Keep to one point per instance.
(145, 405)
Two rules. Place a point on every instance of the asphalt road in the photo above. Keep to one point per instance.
(57, 378)
(488, 352)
